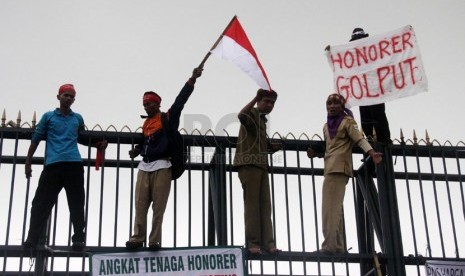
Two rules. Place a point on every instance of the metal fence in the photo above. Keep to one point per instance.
(412, 210)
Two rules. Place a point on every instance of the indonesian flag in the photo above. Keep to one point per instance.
(236, 47)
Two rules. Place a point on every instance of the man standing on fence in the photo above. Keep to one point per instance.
(341, 134)
(63, 168)
(251, 160)
(373, 116)
(155, 170)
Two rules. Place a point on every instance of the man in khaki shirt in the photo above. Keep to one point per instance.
(251, 160)
(341, 134)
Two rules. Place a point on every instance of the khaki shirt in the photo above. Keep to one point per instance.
(252, 143)
(338, 154)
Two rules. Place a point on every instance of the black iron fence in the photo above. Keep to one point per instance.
(410, 211)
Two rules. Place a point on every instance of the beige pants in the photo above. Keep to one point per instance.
(151, 187)
(257, 207)
(334, 188)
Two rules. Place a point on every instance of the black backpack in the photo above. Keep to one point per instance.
(177, 149)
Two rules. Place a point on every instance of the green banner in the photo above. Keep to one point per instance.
(227, 261)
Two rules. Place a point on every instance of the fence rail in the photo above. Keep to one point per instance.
(411, 211)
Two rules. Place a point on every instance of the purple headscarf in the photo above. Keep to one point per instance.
(333, 122)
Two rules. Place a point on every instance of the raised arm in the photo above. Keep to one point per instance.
(245, 111)
(178, 105)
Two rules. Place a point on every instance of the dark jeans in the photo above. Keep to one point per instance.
(374, 116)
(54, 177)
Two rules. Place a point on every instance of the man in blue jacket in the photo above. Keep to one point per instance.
(154, 177)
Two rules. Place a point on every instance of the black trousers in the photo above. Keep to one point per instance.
(55, 177)
(374, 117)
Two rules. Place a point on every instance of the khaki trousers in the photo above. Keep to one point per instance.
(151, 187)
(334, 187)
(257, 207)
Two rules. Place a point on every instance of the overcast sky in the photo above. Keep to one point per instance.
(113, 51)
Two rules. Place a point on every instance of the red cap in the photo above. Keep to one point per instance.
(66, 88)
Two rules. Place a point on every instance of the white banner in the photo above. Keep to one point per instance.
(379, 68)
(444, 268)
(195, 262)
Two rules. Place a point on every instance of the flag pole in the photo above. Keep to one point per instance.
(216, 43)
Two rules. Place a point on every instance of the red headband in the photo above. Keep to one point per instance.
(66, 88)
(151, 98)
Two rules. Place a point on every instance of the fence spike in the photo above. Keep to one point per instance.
(402, 136)
(18, 119)
(415, 139)
(3, 118)
(427, 137)
(34, 120)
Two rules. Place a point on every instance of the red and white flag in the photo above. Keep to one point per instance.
(234, 46)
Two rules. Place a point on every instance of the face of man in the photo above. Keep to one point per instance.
(266, 105)
(334, 105)
(152, 108)
(66, 99)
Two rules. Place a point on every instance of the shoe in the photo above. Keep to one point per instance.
(255, 250)
(273, 250)
(154, 246)
(78, 246)
(29, 244)
(134, 244)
